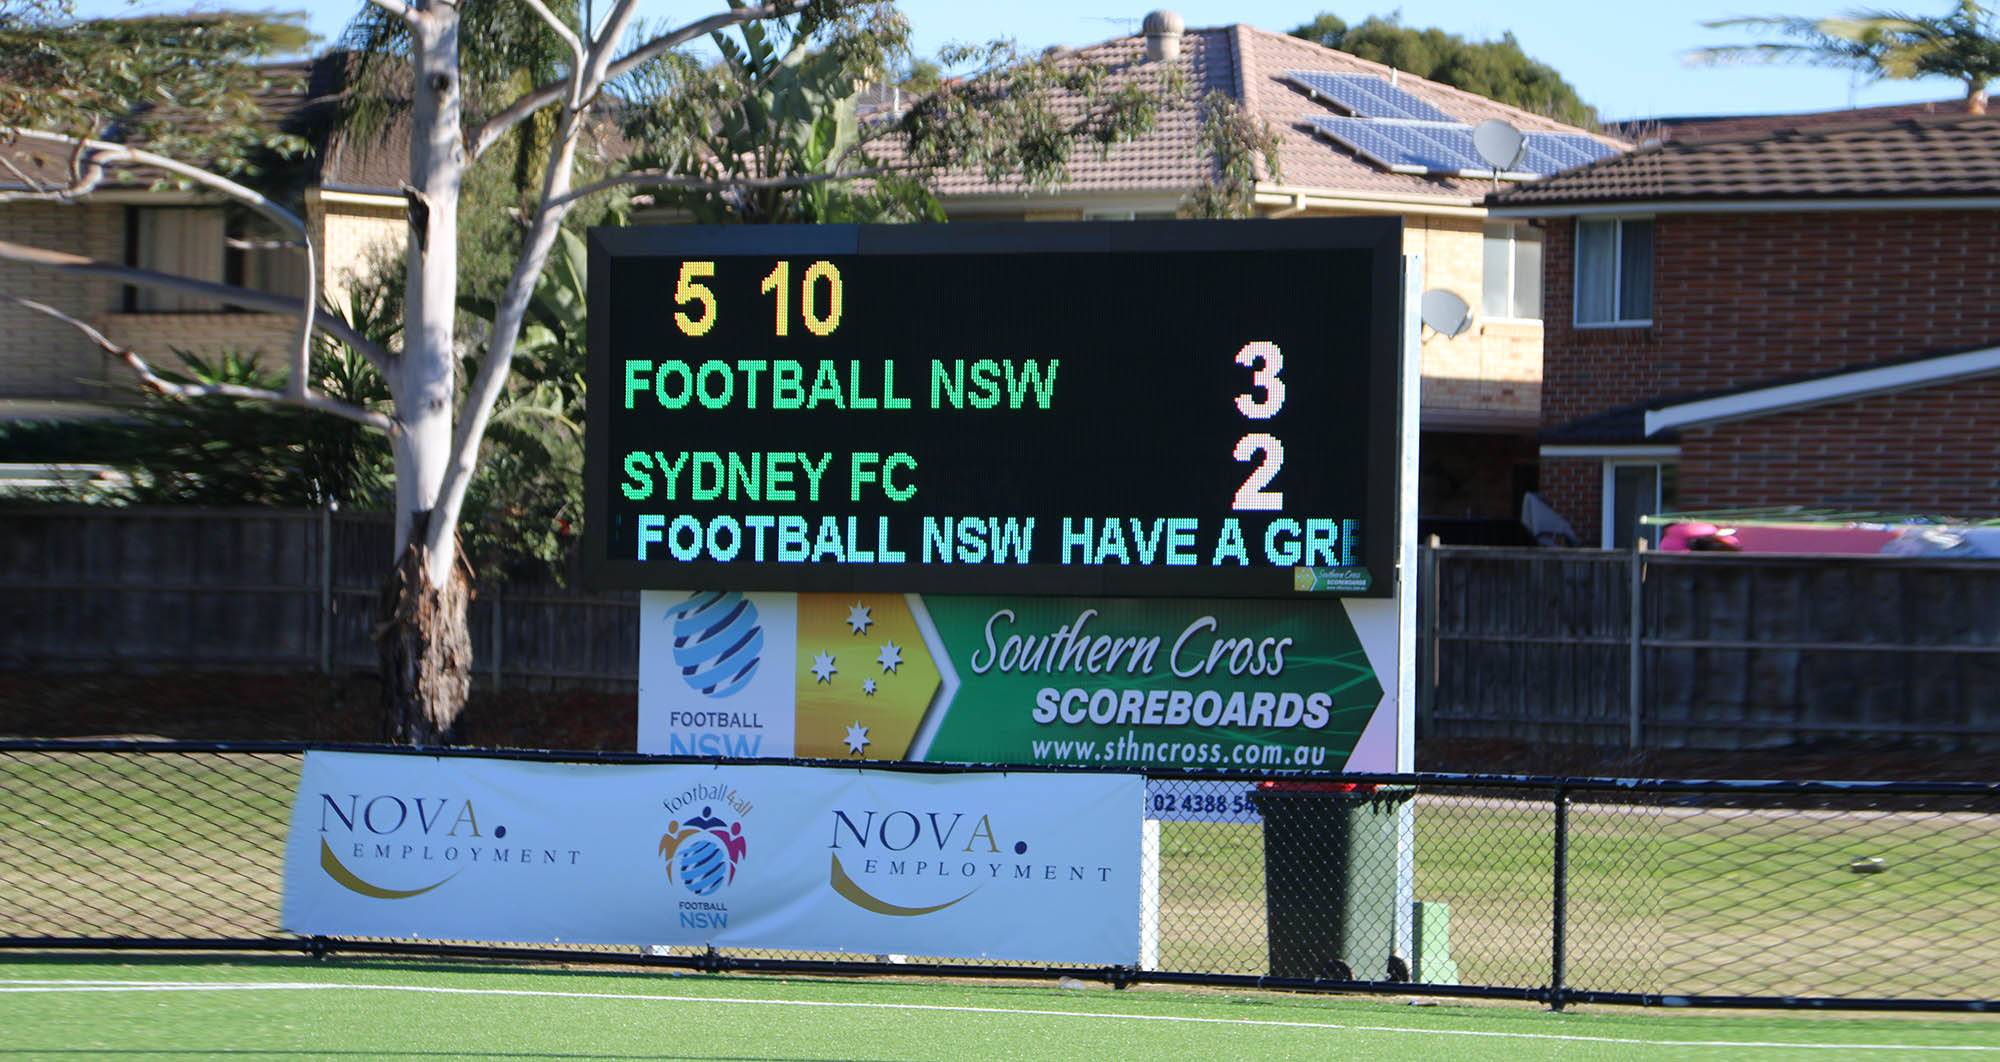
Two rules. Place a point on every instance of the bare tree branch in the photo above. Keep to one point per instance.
(490, 131)
(102, 153)
(65, 262)
(160, 384)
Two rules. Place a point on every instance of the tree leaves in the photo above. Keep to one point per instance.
(1498, 70)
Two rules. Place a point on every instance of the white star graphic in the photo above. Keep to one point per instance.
(868, 687)
(823, 668)
(890, 658)
(858, 619)
(857, 738)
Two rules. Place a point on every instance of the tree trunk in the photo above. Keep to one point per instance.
(426, 648)
(1975, 97)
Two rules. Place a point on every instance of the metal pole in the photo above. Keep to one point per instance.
(1560, 913)
(1634, 685)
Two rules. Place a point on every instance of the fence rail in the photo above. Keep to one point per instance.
(1558, 890)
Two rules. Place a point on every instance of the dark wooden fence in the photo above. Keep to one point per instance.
(1579, 647)
(1713, 651)
(220, 589)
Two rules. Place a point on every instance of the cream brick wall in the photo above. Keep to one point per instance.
(269, 336)
(41, 357)
(1495, 368)
(352, 239)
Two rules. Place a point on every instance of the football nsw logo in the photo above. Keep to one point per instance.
(717, 640)
(702, 853)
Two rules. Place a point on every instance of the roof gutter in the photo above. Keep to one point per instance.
(1848, 385)
(1296, 199)
(1744, 206)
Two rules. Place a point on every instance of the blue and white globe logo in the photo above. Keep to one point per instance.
(717, 642)
(704, 866)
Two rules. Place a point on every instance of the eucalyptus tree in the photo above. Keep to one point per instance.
(68, 79)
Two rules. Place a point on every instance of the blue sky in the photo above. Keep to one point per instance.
(1625, 58)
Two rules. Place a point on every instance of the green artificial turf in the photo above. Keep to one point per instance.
(510, 1011)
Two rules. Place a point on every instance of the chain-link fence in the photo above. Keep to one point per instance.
(1557, 890)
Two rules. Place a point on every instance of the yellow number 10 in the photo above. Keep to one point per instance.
(778, 283)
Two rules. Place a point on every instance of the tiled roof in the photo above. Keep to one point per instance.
(1249, 64)
(1739, 126)
(1955, 155)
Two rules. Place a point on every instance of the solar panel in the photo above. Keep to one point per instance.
(1366, 96)
(1440, 147)
(1554, 152)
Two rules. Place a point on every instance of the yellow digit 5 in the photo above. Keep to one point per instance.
(688, 291)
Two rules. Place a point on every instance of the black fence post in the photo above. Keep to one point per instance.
(1560, 913)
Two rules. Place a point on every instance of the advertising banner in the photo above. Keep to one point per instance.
(1028, 866)
(1231, 684)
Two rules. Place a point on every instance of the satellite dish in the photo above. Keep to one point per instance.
(1447, 314)
(1500, 144)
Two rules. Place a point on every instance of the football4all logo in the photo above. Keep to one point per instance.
(703, 852)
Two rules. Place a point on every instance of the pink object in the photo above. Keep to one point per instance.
(1783, 539)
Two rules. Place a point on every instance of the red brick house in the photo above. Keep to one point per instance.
(1801, 317)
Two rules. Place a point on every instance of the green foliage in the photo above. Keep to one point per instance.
(782, 101)
(1235, 140)
(182, 85)
(1963, 45)
(1498, 70)
(528, 495)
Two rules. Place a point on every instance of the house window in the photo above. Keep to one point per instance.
(1511, 285)
(183, 241)
(1634, 490)
(1614, 272)
(257, 257)
(216, 244)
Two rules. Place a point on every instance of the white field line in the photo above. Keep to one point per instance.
(34, 986)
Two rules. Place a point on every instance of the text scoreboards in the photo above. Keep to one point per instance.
(1172, 408)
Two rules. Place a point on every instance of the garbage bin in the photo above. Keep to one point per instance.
(1330, 878)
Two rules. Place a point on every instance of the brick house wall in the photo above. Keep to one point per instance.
(1930, 450)
(1740, 299)
(1495, 368)
(41, 357)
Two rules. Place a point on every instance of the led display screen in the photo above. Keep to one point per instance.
(1135, 408)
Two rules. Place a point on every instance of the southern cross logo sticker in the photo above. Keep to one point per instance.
(866, 676)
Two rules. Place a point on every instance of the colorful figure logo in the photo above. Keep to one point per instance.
(708, 852)
(716, 642)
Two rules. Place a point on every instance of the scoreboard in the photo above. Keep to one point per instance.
(1173, 408)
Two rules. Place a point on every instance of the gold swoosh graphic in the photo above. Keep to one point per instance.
(859, 896)
(347, 878)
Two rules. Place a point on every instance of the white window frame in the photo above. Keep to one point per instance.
(1513, 236)
(1617, 272)
(1608, 493)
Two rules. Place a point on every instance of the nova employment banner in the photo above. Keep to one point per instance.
(1034, 867)
(1020, 680)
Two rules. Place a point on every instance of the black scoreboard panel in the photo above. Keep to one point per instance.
(1135, 408)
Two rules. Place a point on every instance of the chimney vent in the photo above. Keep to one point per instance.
(1162, 30)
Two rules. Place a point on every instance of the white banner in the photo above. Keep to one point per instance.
(1038, 867)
